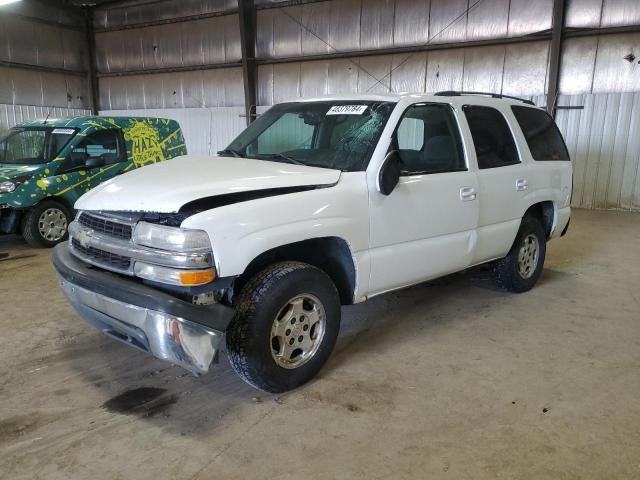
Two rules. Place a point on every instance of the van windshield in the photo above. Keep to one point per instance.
(31, 146)
(340, 135)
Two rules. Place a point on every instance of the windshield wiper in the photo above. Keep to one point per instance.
(228, 151)
(269, 156)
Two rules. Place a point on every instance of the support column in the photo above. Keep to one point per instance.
(247, 17)
(554, 54)
(92, 79)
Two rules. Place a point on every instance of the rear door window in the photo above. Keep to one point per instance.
(542, 135)
(492, 139)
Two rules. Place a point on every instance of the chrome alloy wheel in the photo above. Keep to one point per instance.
(52, 224)
(528, 256)
(297, 331)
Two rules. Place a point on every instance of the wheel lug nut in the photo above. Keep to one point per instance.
(291, 342)
(293, 321)
(300, 338)
(305, 328)
(288, 332)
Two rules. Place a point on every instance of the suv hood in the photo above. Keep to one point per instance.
(166, 186)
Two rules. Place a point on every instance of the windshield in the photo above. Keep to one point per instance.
(30, 146)
(339, 135)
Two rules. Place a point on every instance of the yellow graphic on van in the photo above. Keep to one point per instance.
(145, 144)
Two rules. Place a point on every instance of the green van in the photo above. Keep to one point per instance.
(46, 165)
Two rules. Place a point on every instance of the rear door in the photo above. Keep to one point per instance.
(503, 180)
(426, 227)
(550, 173)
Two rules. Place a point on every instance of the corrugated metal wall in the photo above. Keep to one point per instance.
(594, 72)
(200, 88)
(45, 37)
(604, 145)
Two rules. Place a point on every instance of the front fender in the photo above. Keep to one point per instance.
(241, 232)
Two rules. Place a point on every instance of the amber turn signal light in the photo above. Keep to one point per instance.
(199, 277)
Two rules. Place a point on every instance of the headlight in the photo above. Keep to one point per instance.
(7, 187)
(171, 239)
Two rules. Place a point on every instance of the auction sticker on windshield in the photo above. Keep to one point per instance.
(347, 110)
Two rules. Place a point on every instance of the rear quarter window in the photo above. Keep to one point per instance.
(542, 135)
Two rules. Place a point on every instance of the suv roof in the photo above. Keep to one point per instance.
(396, 97)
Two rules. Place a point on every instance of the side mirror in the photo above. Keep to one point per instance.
(389, 174)
(95, 162)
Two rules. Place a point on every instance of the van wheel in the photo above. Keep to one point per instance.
(45, 225)
(520, 269)
(286, 325)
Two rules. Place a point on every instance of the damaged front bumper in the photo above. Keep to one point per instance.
(170, 329)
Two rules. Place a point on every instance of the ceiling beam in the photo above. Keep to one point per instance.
(42, 68)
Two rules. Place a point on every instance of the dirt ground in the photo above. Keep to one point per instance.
(451, 379)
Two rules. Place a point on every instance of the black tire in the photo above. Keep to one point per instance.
(31, 231)
(507, 270)
(249, 340)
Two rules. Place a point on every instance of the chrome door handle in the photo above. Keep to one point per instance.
(468, 194)
(521, 184)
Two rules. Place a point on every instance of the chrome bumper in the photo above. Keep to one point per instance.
(142, 317)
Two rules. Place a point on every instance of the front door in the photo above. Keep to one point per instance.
(426, 227)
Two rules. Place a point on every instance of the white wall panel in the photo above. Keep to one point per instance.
(483, 68)
(11, 114)
(411, 22)
(445, 21)
(206, 130)
(583, 13)
(489, 19)
(525, 69)
(612, 73)
(529, 16)
(604, 149)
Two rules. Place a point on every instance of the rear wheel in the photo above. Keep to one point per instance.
(286, 325)
(520, 269)
(45, 225)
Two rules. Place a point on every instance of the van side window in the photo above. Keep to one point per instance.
(428, 140)
(492, 139)
(106, 145)
(542, 135)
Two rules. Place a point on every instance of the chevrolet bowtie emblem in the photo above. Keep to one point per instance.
(84, 238)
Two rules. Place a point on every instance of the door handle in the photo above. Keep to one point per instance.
(468, 194)
(521, 184)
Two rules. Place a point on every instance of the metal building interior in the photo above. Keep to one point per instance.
(451, 378)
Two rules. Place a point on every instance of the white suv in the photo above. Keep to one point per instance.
(317, 204)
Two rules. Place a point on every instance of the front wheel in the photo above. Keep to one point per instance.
(520, 269)
(45, 225)
(286, 325)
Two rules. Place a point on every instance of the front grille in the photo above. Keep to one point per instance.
(109, 227)
(106, 259)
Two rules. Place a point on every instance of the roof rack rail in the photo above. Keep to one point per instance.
(456, 93)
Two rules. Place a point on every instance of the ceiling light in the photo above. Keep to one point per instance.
(7, 2)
